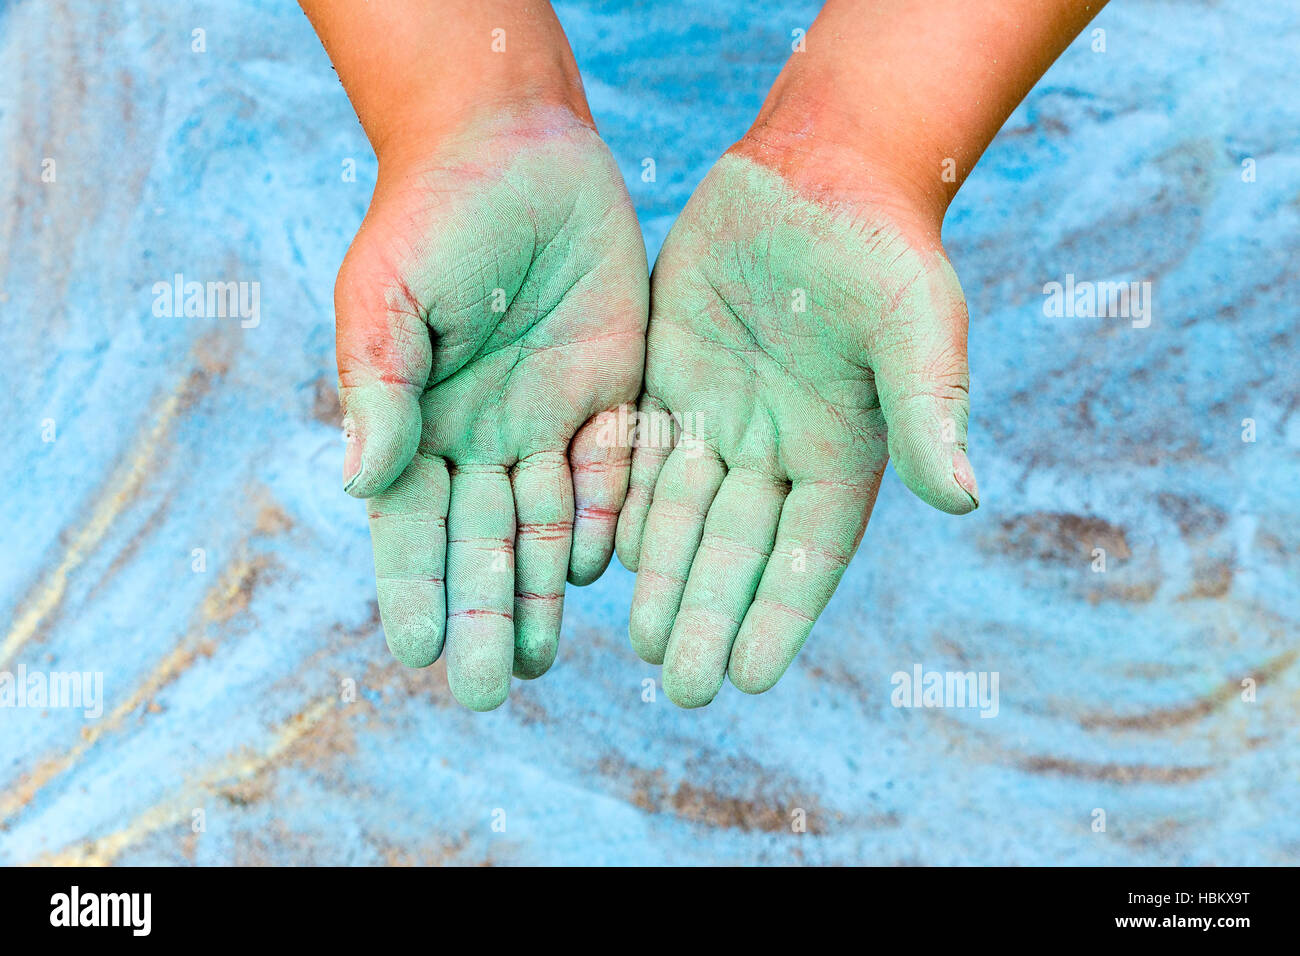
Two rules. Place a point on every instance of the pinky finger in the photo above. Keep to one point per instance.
(655, 437)
(599, 457)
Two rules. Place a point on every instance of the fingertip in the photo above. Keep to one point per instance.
(537, 635)
(627, 536)
(380, 444)
(748, 674)
(478, 680)
(482, 701)
(409, 653)
(413, 627)
(587, 568)
(533, 666)
(944, 482)
(689, 690)
(647, 633)
(964, 475)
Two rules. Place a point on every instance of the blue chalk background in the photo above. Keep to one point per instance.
(251, 712)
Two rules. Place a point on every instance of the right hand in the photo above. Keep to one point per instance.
(491, 323)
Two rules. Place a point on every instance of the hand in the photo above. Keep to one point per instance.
(798, 339)
(491, 321)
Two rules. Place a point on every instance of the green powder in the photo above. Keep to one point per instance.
(507, 306)
(800, 346)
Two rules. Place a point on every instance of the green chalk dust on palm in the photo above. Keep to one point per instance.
(808, 344)
(491, 311)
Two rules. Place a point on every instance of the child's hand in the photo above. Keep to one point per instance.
(807, 327)
(491, 308)
(798, 343)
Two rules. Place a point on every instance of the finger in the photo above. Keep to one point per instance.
(480, 585)
(738, 537)
(686, 486)
(384, 358)
(653, 439)
(923, 384)
(600, 456)
(543, 534)
(821, 525)
(408, 529)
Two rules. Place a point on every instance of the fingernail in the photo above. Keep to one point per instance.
(965, 475)
(352, 456)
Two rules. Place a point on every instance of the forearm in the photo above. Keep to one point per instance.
(417, 68)
(917, 87)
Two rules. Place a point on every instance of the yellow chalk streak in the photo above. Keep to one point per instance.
(126, 482)
(171, 665)
(236, 768)
(225, 598)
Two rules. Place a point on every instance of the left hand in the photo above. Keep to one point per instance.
(798, 341)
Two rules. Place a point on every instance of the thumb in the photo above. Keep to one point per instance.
(922, 380)
(384, 358)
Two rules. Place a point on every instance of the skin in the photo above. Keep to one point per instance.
(801, 346)
(806, 327)
(491, 324)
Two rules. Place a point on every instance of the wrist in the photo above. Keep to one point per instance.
(439, 112)
(829, 151)
(417, 71)
(911, 92)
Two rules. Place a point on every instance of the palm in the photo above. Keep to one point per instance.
(529, 288)
(774, 319)
(516, 263)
